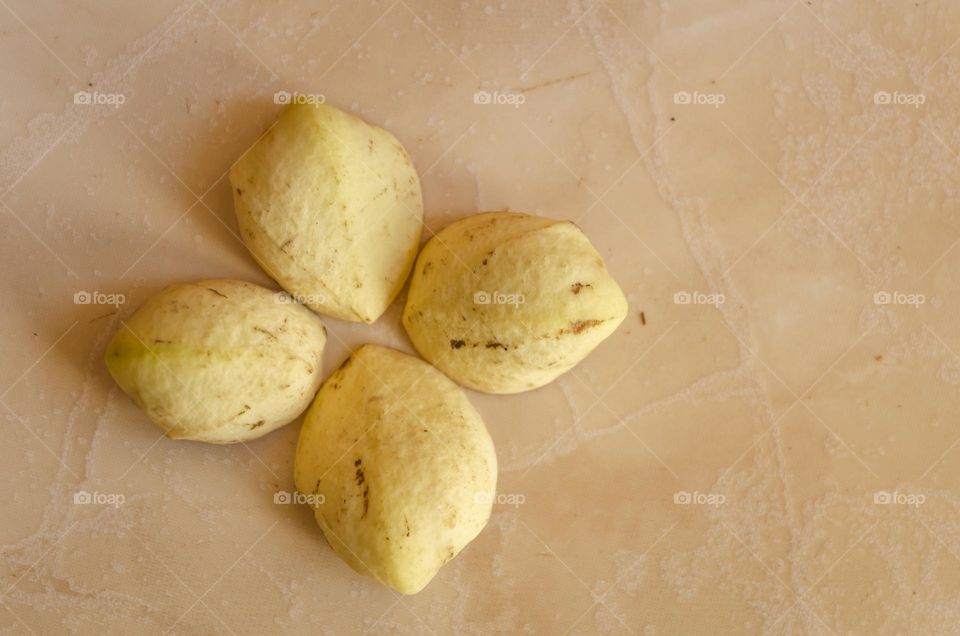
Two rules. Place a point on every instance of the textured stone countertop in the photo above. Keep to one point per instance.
(768, 444)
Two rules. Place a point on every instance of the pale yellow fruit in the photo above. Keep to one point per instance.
(505, 303)
(400, 466)
(330, 207)
(219, 361)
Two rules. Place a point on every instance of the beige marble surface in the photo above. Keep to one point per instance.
(814, 167)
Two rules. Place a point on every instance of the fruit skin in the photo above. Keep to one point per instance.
(404, 464)
(330, 206)
(505, 303)
(219, 361)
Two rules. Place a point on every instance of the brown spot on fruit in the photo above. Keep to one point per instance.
(265, 331)
(217, 292)
(456, 344)
(582, 325)
(576, 287)
(493, 344)
(579, 327)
